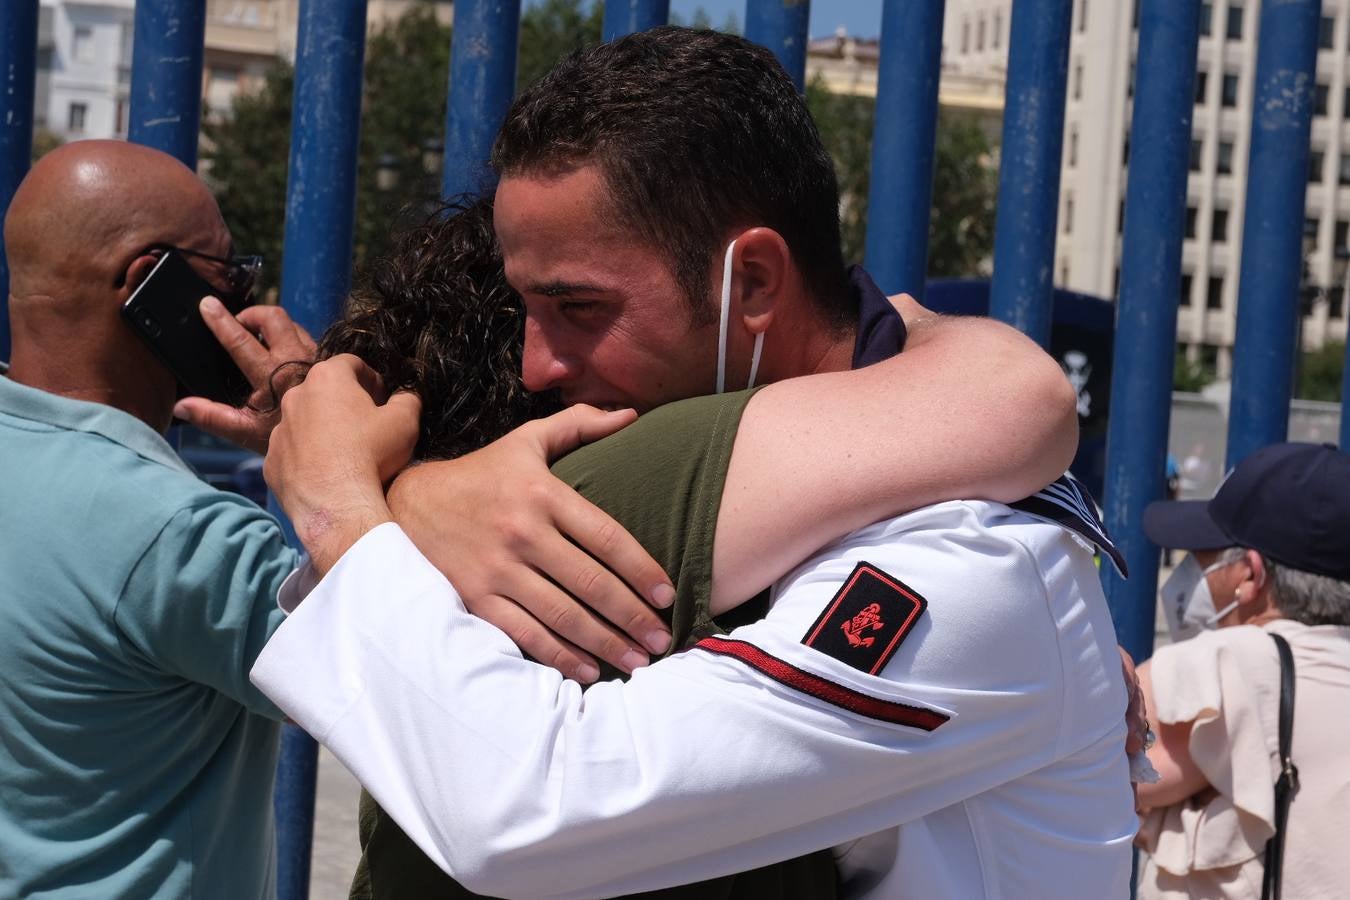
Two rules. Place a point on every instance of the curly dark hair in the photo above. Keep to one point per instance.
(437, 317)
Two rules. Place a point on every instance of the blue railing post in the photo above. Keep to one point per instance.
(628, 16)
(320, 211)
(901, 193)
(166, 77)
(1272, 231)
(1146, 314)
(18, 68)
(482, 82)
(782, 26)
(1028, 183)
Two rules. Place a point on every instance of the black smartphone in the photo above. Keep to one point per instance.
(164, 312)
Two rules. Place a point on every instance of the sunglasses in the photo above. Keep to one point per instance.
(241, 272)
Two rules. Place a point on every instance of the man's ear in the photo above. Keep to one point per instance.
(765, 275)
(1253, 586)
(136, 272)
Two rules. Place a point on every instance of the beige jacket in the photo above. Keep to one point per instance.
(1227, 682)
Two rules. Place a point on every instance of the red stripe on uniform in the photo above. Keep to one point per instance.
(829, 691)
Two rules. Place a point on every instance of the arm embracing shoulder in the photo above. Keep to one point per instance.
(971, 409)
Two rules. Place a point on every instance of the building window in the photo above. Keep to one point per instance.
(997, 35)
(1315, 161)
(1326, 33)
(1078, 80)
(1129, 83)
(122, 110)
(1209, 354)
(1063, 272)
(1342, 233)
(1218, 231)
(1336, 302)
(1082, 16)
(1191, 214)
(1125, 150)
(1230, 90)
(979, 33)
(1120, 218)
(1320, 95)
(1206, 19)
(1197, 153)
(1068, 214)
(1135, 16)
(965, 36)
(1234, 31)
(75, 118)
(1201, 82)
(1214, 295)
(1073, 146)
(1223, 162)
(1186, 279)
(1343, 176)
(82, 44)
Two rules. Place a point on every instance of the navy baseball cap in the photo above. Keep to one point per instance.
(1289, 501)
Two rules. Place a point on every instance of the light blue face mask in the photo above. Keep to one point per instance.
(722, 331)
(1187, 602)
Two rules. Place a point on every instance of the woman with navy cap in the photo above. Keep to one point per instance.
(1251, 704)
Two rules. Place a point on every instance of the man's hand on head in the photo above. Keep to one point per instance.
(338, 443)
(282, 341)
(517, 544)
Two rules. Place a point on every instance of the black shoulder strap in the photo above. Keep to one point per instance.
(1287, 783)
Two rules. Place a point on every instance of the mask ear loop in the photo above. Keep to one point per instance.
(722, 328)
(754, 359)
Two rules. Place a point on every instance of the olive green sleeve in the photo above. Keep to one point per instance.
(662, 479)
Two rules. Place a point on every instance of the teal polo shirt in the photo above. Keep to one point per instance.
(136, 760)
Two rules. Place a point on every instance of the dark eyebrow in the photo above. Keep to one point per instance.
(563, 288)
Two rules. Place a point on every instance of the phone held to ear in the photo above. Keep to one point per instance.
(164, 312)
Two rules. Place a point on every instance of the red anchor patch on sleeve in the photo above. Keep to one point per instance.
(867, 620)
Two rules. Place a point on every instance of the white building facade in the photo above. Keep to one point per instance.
(1096, 153)
(88, 84)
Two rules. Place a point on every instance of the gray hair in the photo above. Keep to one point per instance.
(1303, 596)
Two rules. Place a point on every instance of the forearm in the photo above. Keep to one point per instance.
(971, 409)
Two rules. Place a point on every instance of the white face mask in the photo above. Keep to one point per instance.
(722, 331)
(1187, 602)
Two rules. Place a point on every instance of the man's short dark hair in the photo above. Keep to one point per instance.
(696, 133)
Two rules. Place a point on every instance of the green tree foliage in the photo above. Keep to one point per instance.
(1320, 373)
(1189, 376)
(961, 223)
(552, 29)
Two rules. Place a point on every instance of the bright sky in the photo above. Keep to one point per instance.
(862, 18)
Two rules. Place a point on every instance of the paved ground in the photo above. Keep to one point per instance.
(335, 847)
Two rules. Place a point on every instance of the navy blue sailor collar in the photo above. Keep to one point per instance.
(881, 330)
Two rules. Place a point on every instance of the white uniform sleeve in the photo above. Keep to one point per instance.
(703, 764)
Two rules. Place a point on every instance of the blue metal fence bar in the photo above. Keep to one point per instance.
(627, 16)
(1028, 184)
(18, 56)
(482, 82)
(1146, 314)
(1272, 230)
(901, 193)
(782, 26)
(320, 210)
(166, 77)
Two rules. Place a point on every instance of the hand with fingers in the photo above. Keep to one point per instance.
(530, 555)
(338, 444)
(261, 341)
